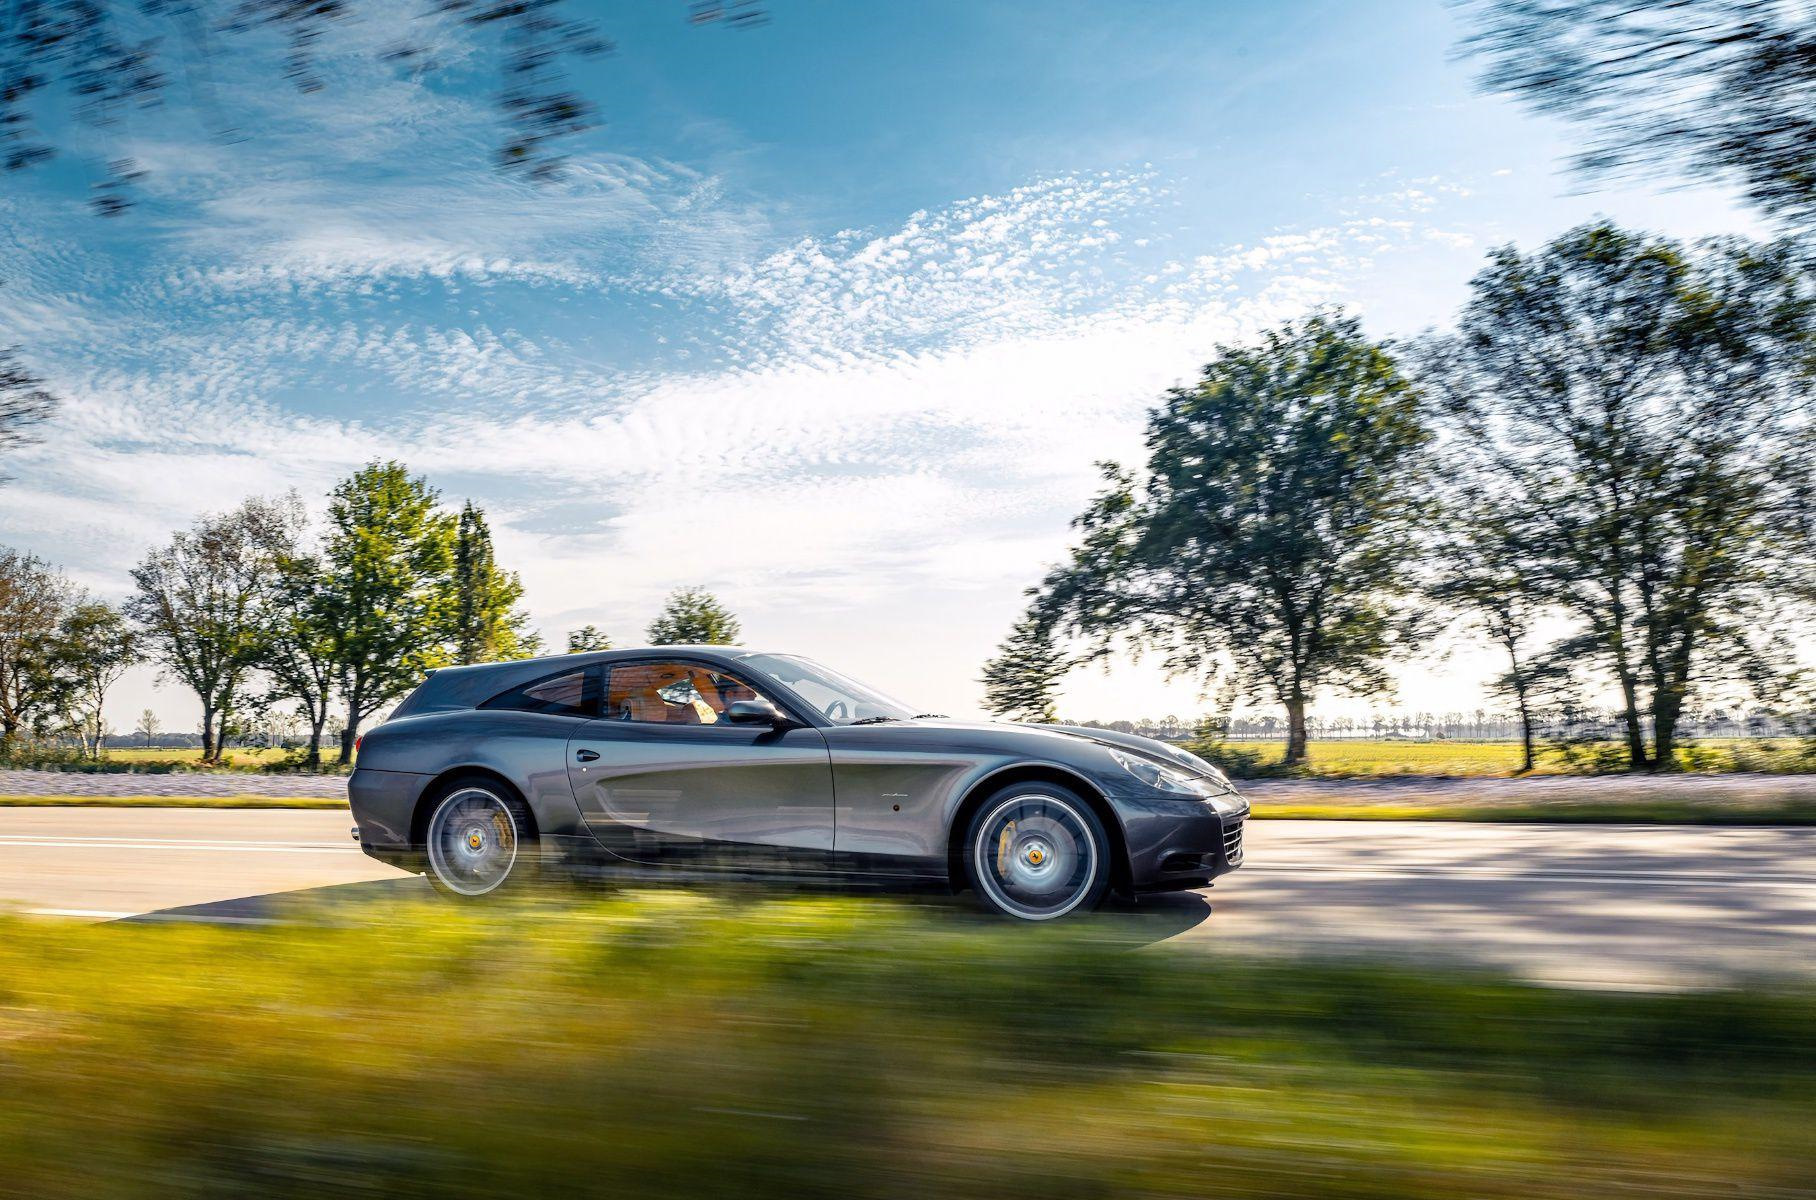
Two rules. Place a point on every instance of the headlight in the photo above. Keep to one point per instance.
(1168, 779)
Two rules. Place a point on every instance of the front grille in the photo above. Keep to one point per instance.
(1232, 842)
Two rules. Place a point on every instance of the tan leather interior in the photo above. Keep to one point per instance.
(634, 693)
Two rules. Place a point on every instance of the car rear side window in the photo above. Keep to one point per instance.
(567, 695)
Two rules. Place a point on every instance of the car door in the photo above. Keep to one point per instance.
(663, 778)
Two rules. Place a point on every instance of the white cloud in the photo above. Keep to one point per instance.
(886, 429)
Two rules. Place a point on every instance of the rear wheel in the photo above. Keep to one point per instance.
(480, 839)
(1037, 851)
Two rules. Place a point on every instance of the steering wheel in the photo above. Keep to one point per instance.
(836, 711)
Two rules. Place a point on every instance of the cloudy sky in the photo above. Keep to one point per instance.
(832, 315)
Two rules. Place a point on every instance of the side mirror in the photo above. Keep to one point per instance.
(755, 712)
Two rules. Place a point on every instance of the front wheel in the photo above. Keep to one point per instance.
(479, 839)
(1037, 851)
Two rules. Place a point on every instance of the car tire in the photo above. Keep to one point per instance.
(479, 840)
(1036, 852)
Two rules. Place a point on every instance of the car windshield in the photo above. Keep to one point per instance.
(839, 699)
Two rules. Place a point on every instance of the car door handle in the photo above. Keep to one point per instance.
(587, 755)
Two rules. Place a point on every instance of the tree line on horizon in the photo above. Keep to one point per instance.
(1614, 441)
(254, 610)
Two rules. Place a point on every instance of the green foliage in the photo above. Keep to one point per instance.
(94, 647)
(33, 599)
(587, 637)
(389, 554)
(1480, 556)
(1022, 682)
(24, 402)
(1722, 90)
(298, 654)
(488, 625)
(666, 1044)
(693, 616)
(1636, 412)
(201, 601)
(1276, 526)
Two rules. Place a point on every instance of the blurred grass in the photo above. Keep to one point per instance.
(670, 1044)
(1344, 758)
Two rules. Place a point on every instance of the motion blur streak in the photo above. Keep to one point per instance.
(666, 1043)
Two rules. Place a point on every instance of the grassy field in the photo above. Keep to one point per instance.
(1352, 759)
(673, 1045)
(1328, 758)
(159, 758)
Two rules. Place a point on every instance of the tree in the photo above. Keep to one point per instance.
(1640, 408)
(94, 647)
(200, 602)
(587, 637)
(24, 401)
(114, 56)
(1021, 682)
(488, 626)
(1719, 89)
(389, 556)
(1482, 572)
(298, 651)
(33, 600)
(693, 616)
(1275, 530)
(148, 726)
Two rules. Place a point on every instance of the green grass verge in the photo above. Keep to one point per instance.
(171, 802)
(670, 1044)
(1342, 758)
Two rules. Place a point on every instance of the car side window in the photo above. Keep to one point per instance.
(565, 695)
(671, 693)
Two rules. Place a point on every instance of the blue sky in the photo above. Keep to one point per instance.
(833, 315)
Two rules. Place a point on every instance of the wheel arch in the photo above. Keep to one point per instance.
(982, 789)
(438, 787)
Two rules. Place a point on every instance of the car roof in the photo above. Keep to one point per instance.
(450, 689)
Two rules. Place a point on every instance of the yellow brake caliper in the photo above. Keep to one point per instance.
(1002, 848)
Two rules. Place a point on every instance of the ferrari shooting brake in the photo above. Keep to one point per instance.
(707, 760)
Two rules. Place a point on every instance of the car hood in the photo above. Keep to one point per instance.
(1032, 736)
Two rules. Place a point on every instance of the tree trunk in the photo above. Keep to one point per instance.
(349, 735)
(318, 717)
(1525, 709)
(208, 746)
(1667, 707)
(1295, 730)
(1636, 730)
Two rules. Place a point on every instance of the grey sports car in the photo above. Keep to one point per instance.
(710, 759)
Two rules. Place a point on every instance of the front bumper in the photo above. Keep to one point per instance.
(1176, 844)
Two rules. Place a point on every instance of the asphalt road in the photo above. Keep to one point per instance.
(1589, 905)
